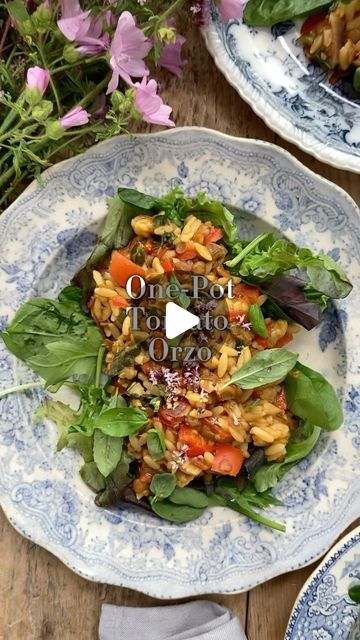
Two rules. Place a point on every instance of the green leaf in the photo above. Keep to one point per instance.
(211, 211)
(190, 497)
(356, 81)
(269, 12)
(70, 294)
(61, 414)
(354, 593)
(301, 443)
(327, 277)
(182, 299)
(68, 357)
(156, 443)
(174, 512)
(17, 10)
(311, 397)
(124, 358)
(163, 484)
(92, 476)
(115, 484)
(257, 321)
(107, 452)
(265, 367)
(137, 200)
(121, 422)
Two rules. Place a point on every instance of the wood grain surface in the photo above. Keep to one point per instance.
(40, 599)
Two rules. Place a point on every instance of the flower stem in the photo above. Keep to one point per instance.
(99, 366)
(52, 83)
(20, 387)
(95, 91)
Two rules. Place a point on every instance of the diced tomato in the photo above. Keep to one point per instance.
(122, 268)
(218, 433)
(173, 417)
(214, 235)
(196, 443)
(119, 301)
(234, 315)
(284, 340)
(227, 460)
(281, 401)
(149, 247)
(167, 265)
(117, 384)
(188, 253)
(312, 22)
(246, 291)
(263, 342)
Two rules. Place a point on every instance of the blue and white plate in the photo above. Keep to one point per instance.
(293, 96)
(45, 236)
(323, 610)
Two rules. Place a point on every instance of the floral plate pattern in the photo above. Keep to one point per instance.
(46, 235)
(323, 610)
(293, 96)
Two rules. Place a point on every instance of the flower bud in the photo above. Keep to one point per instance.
(117, 99)
(37, 80)
(26, 28)
(54, 129)
(70, 54)
(167, 35)
(42, 18)
(42, 110)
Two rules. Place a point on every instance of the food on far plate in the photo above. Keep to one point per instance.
(330, 34)
(216, 415)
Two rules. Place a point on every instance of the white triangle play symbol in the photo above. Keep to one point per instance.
(178, 320)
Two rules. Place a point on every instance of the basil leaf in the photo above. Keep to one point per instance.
(269, 12)
(92, 476)
(182, 299)
(301, 443)
(257, 321)
(163, 484)
(68, 357)
(311, 397)
(107, 452)
(174, 512)
(354, 593)
(121, 422)
(156, 443)
(266, 366)
(190, 497)
(138, 200)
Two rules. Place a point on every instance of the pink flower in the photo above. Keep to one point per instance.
(38, 78)
(78, 26)
(170, 57)
(150, 105)
(75, 118)
(231, 9)
(128, 50)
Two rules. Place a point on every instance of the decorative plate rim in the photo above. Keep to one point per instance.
(127, 581)
(279, 124)
(329, 559)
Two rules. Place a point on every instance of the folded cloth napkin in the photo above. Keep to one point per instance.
(198, 620)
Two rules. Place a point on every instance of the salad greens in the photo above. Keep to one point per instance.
(263, 13)
(60, 342)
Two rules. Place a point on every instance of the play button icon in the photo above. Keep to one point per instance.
(178, 320)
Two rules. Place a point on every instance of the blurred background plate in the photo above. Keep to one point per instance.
(46, 235)
(293, 96)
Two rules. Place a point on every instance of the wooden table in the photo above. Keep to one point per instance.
(40, 599)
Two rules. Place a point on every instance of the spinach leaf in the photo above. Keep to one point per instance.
(115, 484)
(301, 443)
(190, 497)
(156, 443)
(107, 452)
(257, 321)
(174, 512)
(163, 484)
(68, 357)
(41, 321)
(266, 366)
(137, 200)
(268, 12)
(117, 232)
(311, 397)
(182, 299)
(354, 593)
(92, 476)
(244, 500)
(288, 293)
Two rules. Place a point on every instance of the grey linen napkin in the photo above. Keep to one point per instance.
(198, 620)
